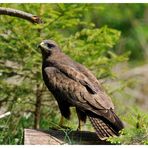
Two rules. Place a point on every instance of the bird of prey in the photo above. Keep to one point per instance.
(73, 85)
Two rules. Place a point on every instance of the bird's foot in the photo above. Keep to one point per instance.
(80, 126)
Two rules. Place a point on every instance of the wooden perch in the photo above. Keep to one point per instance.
(58, 137)
(21, 14)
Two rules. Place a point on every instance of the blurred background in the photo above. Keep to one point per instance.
(109, 39)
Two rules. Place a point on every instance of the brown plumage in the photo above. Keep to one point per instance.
(74, 85)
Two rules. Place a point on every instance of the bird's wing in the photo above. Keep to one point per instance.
(100, 98)
(106, 100)
(78, 76)
(76, 94)
(90, 76)
(75, 83)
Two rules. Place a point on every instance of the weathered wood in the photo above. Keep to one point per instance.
(58, 137)
(34, 137)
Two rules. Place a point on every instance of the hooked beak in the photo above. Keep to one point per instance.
(41, 45)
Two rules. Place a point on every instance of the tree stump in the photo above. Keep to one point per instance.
(59, 137)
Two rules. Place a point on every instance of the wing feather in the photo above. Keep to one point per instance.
(76, 93)
(77, 76)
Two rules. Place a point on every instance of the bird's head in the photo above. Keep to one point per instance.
(48, 47)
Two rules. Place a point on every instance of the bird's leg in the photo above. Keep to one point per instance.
(81, 118)
(80, 125)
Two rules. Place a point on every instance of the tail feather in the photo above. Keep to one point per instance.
(97, 128)
(105, 130)
(118, 125)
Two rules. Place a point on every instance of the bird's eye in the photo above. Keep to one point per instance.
(50, 45)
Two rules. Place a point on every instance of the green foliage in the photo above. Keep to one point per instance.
(95, 44)
(136, 131)
(92, 34)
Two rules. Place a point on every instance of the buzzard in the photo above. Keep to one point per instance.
(73, 85)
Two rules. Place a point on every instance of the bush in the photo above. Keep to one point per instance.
(79, 36)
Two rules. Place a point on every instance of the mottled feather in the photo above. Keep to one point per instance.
(72, 84)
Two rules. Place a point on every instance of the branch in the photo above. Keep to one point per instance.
(38, 102)
(5, 114)
(21, 14)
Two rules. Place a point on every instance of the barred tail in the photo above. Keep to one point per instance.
(104, 130)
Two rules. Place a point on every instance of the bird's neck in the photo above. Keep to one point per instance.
(47, 61)
(55, 58)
